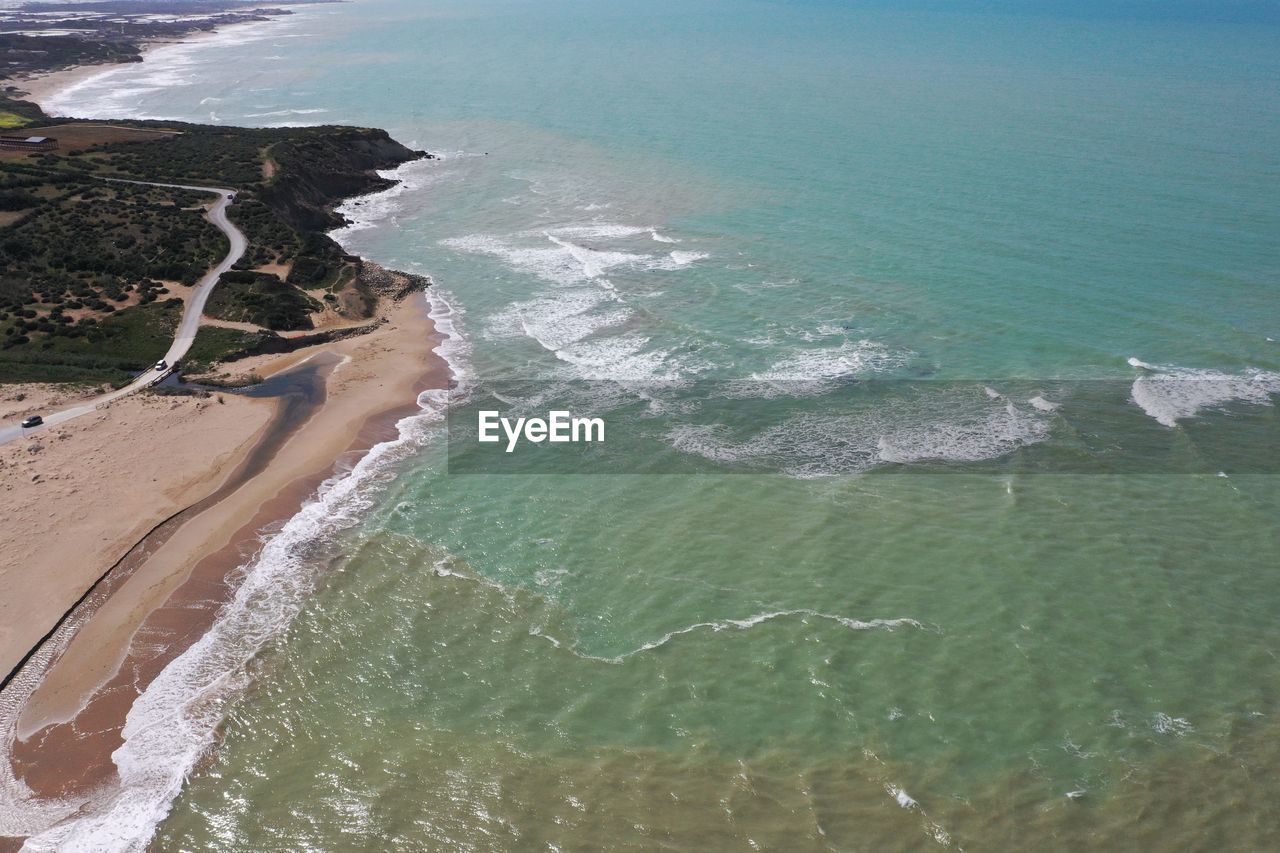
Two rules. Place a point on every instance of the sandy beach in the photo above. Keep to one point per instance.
(77, 498)
(125, 528)
(40, 88)
(198, 455)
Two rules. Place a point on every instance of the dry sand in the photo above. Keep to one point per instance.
(380, 371)
(169, 592)
(76, 497)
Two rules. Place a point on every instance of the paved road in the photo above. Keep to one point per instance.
(187, 328)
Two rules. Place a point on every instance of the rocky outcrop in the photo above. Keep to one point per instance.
(314, 176)
(391, 284)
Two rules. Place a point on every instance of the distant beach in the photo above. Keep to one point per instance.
(42, 87)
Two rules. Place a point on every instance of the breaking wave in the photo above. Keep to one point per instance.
(583, 320)
(1173, 394)
(946, 426)
(750, 622)
(566, 262)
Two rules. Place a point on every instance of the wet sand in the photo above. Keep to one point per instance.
(125, 530)
(162, 596)
(40, 87)
(76, 497)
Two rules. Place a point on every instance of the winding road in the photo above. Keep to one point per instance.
(187, 328)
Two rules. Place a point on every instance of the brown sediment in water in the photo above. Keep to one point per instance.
(168, 590)
(52, 763)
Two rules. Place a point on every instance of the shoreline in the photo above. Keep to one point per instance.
(41, 87)
(178, 587)
(76, 508)
(110, 623)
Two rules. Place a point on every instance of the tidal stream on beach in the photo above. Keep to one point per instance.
(939, 503)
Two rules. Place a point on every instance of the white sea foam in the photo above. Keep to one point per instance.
(1172, 394)
(385, 206)
(568, 261)
(759, 619)
(564, 262)
(597, 230)
(972, 440)
(296, 112)
(1166, 725)
(903, 798)
(618, 357)
(165, 67)
(834, 362)
(559, 320)
(945, 427)
(581, 328)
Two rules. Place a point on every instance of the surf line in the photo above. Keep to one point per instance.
(559, 427)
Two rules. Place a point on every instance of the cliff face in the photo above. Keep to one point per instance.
(315, 175)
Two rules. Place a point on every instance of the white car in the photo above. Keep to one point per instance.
(162, 365)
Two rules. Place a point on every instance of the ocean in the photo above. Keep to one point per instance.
(938, 348)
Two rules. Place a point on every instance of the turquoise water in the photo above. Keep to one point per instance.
(782, 641)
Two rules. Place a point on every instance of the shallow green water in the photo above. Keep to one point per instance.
(817, 650)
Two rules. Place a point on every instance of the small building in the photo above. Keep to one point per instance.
(28, 143)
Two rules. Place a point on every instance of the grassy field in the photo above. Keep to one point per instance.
(9, 120)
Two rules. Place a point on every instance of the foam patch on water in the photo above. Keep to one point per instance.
(682, 259)
(944, 427)
(1166, 725)
(567, 261)
(293, 112)
(386, 206)
(902, 798)
(1173, 394)
(104, 95)
(595, 230)
(752, 621)
(618, 357)
(581, 328)
(989, 437)
(560, 320)
(846, 359)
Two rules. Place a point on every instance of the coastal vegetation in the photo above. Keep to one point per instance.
(262, 299)
(93, 269)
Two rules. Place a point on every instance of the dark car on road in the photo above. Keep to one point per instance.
(33, 421)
